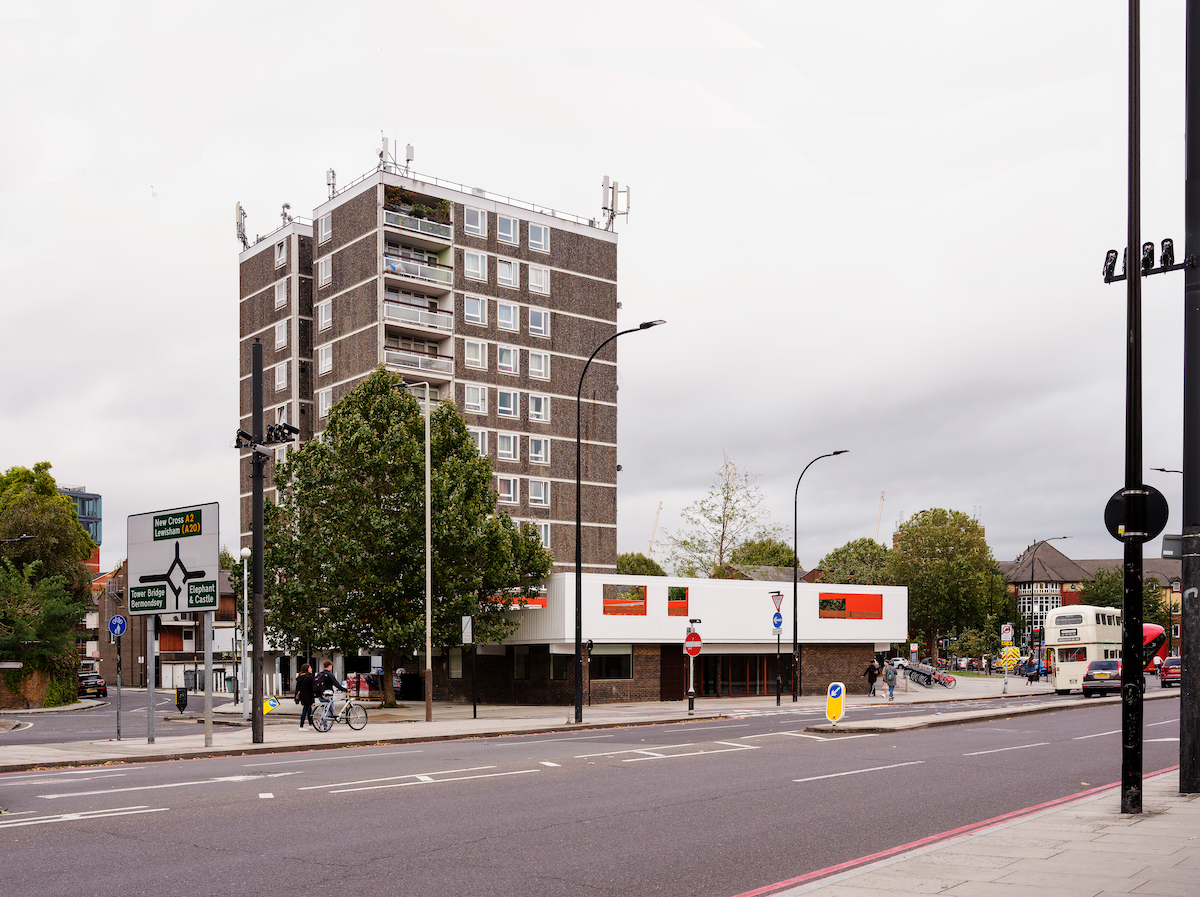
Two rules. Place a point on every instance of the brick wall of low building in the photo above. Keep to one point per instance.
(822, 664)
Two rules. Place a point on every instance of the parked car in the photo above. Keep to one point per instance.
(898, 662)
(1168, 673)
(1104, 676)
(91, 685)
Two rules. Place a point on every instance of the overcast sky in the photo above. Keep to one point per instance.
(870, 226)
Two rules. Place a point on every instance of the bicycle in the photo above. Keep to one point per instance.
(945, 680)
(352, 714)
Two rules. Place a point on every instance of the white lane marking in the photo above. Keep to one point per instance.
(266, 795)
(1019, 747)
(326, 759)
(662, 747)
(41, 780)
(572, 738)
(793, 734)
(1163, 723)
(1096, 735)
(215, 781)
(548, 763)
(848, 737)
(731, 747)
(1153, 740)
(89, 814)
(47, 773)
(393, 778)
(855, 772)
(734, 726)
(490, 775)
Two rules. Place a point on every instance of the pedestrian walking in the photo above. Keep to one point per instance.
(305, 694)
(872, 673)
(889, 676)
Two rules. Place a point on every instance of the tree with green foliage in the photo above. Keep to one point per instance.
(37, 627)
(345, 546)
(45, 586)
(943, 559)
(637, 564)
(859, 562)
(765, 550)
(716, 525)
(1106, 588)
(39, 524)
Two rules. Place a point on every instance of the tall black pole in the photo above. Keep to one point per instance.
(256, 481)
(1189, 629)
(1134, 497)
(796, 574)
(645, 325)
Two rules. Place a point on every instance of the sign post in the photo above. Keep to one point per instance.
(1006, 642)
(117, 625)
(692, 645)
(777, 623)
(468, 638)
(173, 564)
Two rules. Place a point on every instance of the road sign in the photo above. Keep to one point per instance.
(1006, 632)
(777, 620)
(1010, 656)
(692, 644)
(173, 560)
(270, 704)
(835, 701)
(1148, 503)
(777, 597)
(117, 625)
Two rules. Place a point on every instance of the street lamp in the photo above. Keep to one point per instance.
(428, 564)
(796, 574)
(245, 555)
(645, 325)
(1032, 579)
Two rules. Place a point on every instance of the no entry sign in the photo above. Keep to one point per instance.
(692, 644)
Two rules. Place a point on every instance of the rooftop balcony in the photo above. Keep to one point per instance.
(423, 273)
(420, 231)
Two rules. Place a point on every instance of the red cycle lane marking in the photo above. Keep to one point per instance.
(972, 828)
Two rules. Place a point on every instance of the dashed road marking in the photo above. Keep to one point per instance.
(548, 763)
(854, 772)
(1017, 747)
(75, 817)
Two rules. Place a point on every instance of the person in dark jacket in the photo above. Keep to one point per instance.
(872, 673)
(326, 681)
(305, 694)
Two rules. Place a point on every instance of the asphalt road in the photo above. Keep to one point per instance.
(100, 723)
(702, 808)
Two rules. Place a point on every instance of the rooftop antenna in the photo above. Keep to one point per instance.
(283, 213)
(409, 155)
(610, 203)
(240, 216)
(879, 517)
(331, 181)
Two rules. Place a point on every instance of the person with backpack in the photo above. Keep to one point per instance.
(326, 681)
(889, 676)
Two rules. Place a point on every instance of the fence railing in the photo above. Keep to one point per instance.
(418, 225)
(414, 314)
(418, 361)
(394, 264)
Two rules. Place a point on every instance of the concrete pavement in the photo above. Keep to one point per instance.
(1080, 847)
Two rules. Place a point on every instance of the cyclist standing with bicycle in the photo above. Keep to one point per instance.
(326, 681)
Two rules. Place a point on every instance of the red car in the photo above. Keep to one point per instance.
(1168, 673)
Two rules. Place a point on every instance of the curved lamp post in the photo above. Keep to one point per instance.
(245, 556)
(645, 325)
(796, 574)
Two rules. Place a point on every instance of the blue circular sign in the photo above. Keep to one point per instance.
(835, 690)
(117, 625)
(777, 619)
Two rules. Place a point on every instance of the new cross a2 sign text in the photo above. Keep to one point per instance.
(173, 560)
